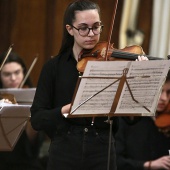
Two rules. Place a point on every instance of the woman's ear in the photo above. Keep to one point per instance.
(69, 29)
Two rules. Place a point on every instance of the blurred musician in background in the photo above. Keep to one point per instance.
(13, 72)
(25, 154)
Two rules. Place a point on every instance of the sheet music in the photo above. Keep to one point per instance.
(102, 102)
(145, 80)
(22, 95)
(13, 119)
(145, 90)
(21, 109)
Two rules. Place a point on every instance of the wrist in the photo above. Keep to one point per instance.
(147, 165)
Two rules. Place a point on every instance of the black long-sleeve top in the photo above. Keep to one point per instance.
(24, 156)
(139, 142)
(55, 89)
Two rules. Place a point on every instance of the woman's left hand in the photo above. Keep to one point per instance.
(142, 58)
(5, 101)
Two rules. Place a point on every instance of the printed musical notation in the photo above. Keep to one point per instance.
(139, 93)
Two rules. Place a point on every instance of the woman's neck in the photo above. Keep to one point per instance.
(76, 52)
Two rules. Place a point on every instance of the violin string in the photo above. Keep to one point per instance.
(126, 55)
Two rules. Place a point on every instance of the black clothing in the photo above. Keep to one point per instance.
(138, 142)
(55, 89)
(81, 148)
(24, 155)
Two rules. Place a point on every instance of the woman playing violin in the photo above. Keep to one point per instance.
(25, 153)
(75, 143)
(141, 143)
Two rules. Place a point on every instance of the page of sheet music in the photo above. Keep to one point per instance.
(13, 118)
(145, 90)
(92, 99)
(15, 109)
(22, 95)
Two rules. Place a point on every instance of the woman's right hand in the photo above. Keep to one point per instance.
(160, 163)
(142, 58)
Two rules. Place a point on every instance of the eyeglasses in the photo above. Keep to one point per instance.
(84, 31)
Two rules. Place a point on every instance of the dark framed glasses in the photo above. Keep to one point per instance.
(84, 30)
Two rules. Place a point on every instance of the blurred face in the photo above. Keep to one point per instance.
(164, 98)
(84, 20)
(12, 75)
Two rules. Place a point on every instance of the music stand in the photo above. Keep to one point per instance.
(119, 88)
(13, 119)
(22, 95)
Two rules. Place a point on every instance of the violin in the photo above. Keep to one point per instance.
(98, 53)
(8, 96)
(162, 121)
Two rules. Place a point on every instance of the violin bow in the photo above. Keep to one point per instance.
(111, 27)
(108, 45)
(109, 37)
(8, 52)
(29, 71)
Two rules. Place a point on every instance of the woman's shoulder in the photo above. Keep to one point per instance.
(52, 61)
(51, 64)
(56, 60)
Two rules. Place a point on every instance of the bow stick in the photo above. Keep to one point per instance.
(29, 71)
(8, 52)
